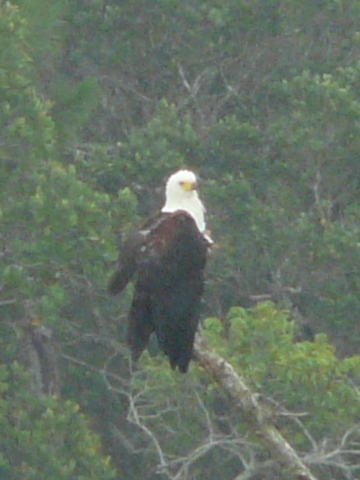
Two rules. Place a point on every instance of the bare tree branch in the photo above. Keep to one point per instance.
(244, 398)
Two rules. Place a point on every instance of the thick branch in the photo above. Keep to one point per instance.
(255, 415)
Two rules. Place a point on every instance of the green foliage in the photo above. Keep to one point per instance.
(45, 438)
(26, 133)
(100, 101)
(73, 107)
(314, 382)
(165, 144)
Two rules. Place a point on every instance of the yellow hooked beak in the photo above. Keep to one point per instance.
(188, 186)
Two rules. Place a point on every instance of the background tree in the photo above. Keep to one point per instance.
(100, 101)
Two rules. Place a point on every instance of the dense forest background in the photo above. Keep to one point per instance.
(99, 102)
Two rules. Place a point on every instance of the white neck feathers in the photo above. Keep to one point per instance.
(190, 203)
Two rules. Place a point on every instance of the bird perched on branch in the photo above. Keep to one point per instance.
(168, 256)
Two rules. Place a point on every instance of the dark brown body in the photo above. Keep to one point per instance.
(169, 256)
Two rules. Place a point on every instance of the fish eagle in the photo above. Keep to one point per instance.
(168, 256)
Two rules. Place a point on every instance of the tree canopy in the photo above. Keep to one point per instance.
(99, 102)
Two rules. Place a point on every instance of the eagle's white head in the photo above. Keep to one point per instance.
(181, 194)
